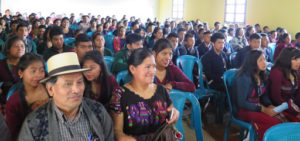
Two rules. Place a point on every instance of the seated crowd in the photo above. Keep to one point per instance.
(57, 85)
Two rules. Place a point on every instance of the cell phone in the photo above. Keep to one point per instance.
(171, 114)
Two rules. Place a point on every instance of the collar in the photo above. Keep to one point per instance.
(62, 118)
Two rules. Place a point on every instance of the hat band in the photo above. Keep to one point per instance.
(65, 68)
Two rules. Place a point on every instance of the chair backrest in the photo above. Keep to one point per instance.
(178, 99)
(231, 57)
(228, 78)
(272, 47)
(108, 60)
(109, 42)
(13, 89)
(74, 27)
(123, 77)
(68, 41)
(283, 132)
(186, 63)
(90, 33)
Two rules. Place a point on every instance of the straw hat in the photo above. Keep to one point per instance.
(63, 63)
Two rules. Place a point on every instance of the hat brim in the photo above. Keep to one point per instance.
(63, 73)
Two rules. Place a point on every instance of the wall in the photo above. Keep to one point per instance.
(138, 8)
(273, 13)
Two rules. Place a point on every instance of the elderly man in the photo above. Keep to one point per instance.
(68, 116)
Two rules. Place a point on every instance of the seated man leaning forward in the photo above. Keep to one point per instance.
(67, 116)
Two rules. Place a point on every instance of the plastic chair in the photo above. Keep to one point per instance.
(2, 56)
(13, 89)
(74, 27)
(179, 99)
(108, 61)
(109, 42)
(123, 77)
(228, 78)
(186, 63)
(231, 58)
(272, 47)
(283, 132)
(68, 41)
(90, 33)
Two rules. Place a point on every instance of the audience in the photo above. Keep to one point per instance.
(167, 73)
(56, 35)
(141, 95)
(157, 34)
(206, 44)
(67, 109)
(98, 44)
(154, 75)
(22, 32)
(189, 45)
(255, 42)
(250, 99)
(100, 83)
(83, 44)
(65, 24)
(215, 63)
(284, 82)
(15, 49)
(29, 97)
(239, 41)
(133, 41)
(283, 42)
(120, 39)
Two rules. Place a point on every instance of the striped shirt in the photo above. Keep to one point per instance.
(73, 130)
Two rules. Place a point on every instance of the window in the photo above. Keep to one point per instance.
(178, 6)
(235, 11)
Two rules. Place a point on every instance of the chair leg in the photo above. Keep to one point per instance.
(227, 130)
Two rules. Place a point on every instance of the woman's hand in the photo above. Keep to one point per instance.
(269, 111)
(175, 115)
(168, 86)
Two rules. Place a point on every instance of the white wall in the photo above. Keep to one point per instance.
(138, 8)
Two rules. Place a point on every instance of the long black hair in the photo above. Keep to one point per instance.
(283, 61)
(137, 57)
(250, 68)
(282, 38)
(103, 78)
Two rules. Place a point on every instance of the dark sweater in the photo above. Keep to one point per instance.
(214, 66)
(245, 94)
(177, 79)
(281, 89)
(239, 59)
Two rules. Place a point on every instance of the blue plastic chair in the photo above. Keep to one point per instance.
(68, 41)
(74, 27)
(13, 89)
(108, 61)
(2, 56)
(178, 99)
(272, 47)
(186, 63)
(231, 58)
(90, 33)
(123, 77)
(109, 42)
(283, 132)
(228, 78)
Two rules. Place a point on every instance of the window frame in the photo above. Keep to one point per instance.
(177, 11)
(235, 13)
